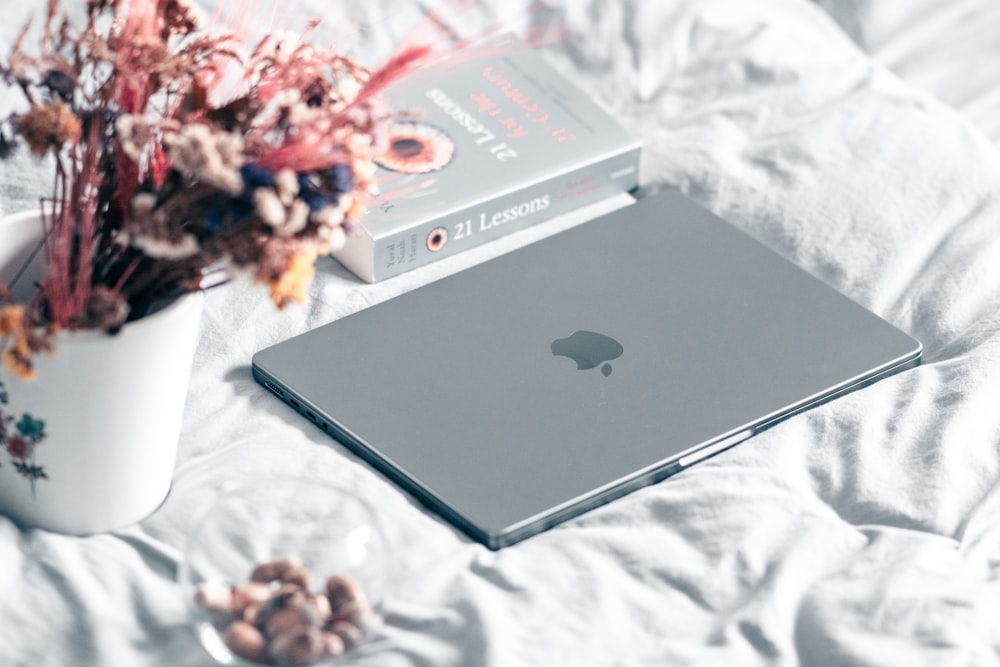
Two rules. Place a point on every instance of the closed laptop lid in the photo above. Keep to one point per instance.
(538, 384)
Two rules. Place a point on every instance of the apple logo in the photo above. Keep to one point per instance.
(588, 350)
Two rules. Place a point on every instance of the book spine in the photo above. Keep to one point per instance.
(498, 216)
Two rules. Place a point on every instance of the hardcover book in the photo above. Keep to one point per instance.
(478, 149)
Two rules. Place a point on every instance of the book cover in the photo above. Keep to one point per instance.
(479, 149)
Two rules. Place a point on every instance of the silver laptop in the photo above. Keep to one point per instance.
(525, 390)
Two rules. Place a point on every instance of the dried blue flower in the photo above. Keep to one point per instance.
(343, 178)
(214, 221)
(242, 207)
(59, 83)
(316, 201)
(309, 193)
(256, 177)
(220, 207)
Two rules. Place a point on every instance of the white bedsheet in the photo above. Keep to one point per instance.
(863, 532)
(950, 49)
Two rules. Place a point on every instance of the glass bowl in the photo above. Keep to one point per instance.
(285, 572)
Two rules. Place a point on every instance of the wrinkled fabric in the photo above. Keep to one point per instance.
(950, 49)
(862, 532)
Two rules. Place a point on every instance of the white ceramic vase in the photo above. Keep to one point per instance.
(102, 418)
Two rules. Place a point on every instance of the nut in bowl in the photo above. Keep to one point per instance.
(285, 572)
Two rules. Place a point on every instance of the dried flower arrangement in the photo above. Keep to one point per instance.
(182, 159)
(165, 181)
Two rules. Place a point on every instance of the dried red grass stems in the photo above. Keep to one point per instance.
(185, 159)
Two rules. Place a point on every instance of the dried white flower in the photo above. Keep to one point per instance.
(286, 182)
(328, 216)
(298, 216)
(268, 207)
(230, 148)
(134, 134)
(153, 231)
(335, 237)
(212, 156)
(329, 221)
(143, 204)
(285, 220)
(185, 246)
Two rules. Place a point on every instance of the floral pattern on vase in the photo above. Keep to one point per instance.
(20, 437)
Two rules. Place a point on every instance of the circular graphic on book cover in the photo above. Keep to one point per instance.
(416, 148)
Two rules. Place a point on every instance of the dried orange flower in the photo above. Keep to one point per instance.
(49, 126)
(18, 364)
(17, 357)
(11, 319)
(291, 284)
